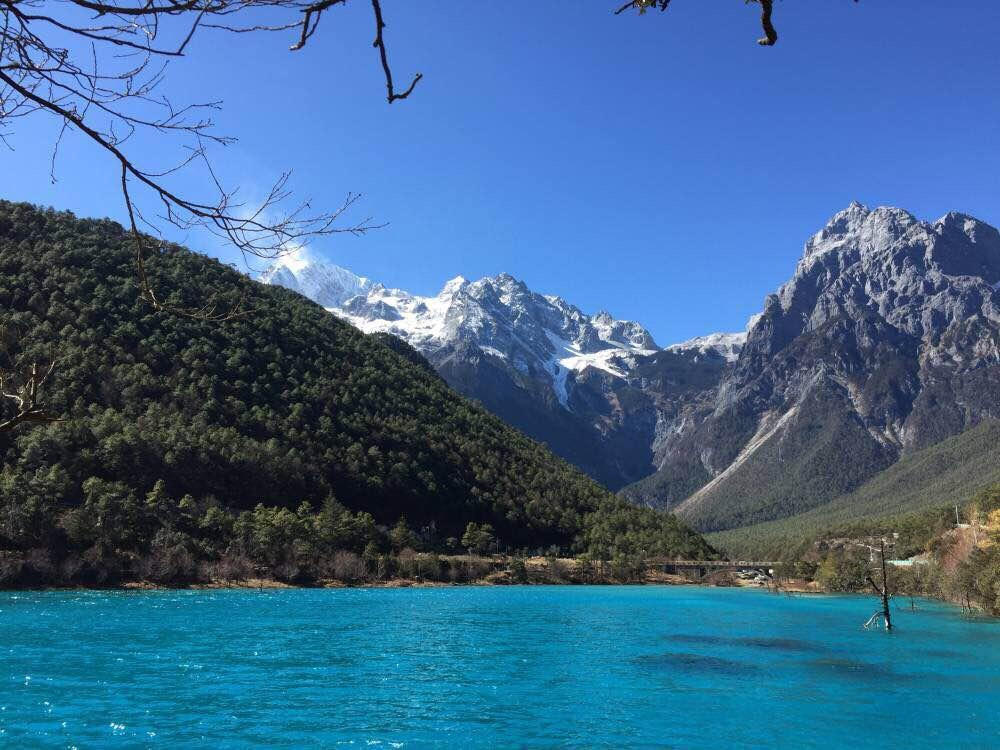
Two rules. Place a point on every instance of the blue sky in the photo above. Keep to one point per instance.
(665, 168)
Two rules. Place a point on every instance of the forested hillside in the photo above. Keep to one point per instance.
(171, 426)
(939, 477)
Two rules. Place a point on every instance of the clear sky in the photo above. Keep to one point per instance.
(664, 167)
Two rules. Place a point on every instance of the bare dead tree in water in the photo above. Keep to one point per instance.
(97, 67)
(20, 390)
(881, 589)
(769, 39)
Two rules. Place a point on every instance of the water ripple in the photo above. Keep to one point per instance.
(546, 667)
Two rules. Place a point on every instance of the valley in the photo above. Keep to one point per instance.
(412, 375)
(862, 399)
(884, 343)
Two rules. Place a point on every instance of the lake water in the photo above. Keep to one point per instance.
(490, 667)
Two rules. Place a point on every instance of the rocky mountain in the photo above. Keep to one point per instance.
(951, 472)
(544, 338)
(885, 341)
(599, 391)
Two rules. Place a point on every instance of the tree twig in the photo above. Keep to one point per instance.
(380, 44)
(22, 390)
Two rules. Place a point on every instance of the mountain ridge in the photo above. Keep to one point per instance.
(569, 379)
(883, 341)
(947, 474)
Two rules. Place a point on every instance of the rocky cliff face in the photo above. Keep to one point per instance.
(886, 340)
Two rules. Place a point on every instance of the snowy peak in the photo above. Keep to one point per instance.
(323, 283)
(624, 332)
(541, 337)
(454, 285)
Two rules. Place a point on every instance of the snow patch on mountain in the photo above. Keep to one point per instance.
(421, 321)
(569, 356)
(727, 345)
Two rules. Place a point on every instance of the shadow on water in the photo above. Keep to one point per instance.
(944, 654)
(859, 670)
(776, 644)
(824, 658)
(695, 663)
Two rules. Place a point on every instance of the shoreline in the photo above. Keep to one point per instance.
(270, 584)
(262, 585)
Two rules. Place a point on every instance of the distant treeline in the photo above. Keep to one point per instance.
(116, 537)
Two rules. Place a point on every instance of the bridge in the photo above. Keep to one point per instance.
(702, 568)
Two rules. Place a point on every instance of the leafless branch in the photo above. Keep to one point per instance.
(770, 34)
(766, 10)
(643, 5)
(96, 66)
(379, 43)
(21, 390)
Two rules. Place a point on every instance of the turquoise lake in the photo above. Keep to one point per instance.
(490, 667)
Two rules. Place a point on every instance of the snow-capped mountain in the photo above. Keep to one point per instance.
(886, 339)
(324, 283)
(575, 381)
(542, 336)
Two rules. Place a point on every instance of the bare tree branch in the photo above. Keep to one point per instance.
(769, 39)
(643, 5)
(21, 389)
(380, 44)
(97, 67)
(770, 34)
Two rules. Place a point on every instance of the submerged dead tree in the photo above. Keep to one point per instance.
(881, 589)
